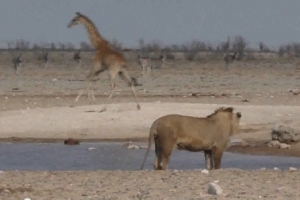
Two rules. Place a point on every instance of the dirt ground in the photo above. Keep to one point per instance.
(38, 106)
(235, 183)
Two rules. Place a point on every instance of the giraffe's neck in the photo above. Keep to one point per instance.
(96, 39)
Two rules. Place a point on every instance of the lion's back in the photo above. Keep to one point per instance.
(193, 127)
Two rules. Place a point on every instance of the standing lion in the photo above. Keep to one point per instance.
(210, 134)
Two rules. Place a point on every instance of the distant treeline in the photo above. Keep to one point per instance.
(232, 44)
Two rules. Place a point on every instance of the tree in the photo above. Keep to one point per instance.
(239, 45)
(22, 44)
(116, 45)
(85, 46)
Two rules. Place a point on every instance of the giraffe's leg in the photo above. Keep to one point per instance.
(89, 90)
(92, 92)
(80, 64)
(16, 69)
(150, 70)
(125, 77)
(80, 93)
(113, 84)
(144, 70)
(135, 96)
(97, 69)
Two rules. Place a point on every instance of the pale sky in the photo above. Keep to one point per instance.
(274, 22)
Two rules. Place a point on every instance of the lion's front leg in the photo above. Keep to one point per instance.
(217, 155)
(156, 164)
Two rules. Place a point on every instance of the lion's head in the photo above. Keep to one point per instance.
(228, 116)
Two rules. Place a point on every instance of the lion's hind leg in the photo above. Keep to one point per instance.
(164, 145)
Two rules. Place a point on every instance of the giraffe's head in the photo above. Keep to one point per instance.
(76, 20)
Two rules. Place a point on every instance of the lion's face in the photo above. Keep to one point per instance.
(236, 117)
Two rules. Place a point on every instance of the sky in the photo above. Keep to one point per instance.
(274, 22)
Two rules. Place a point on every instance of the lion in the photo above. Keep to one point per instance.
(210, 134)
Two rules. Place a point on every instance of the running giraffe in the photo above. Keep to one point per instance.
(105, 59)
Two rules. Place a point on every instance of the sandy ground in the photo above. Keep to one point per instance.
(39, 106)
(235, 183)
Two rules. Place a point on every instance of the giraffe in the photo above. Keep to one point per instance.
(17, 62)
(229, 57)
(105, 59)
(77, 58)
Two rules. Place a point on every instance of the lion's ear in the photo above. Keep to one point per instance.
(229, 109)
(239, 115)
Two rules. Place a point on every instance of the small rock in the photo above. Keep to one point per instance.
(276, 168)
(27, 199)
(175, 171)
(284, 146)
(285, 134)
(214, 189)
(245, 100)
(92, 148)
(131, 146)
(274, 143)
(143, 147)
(6, 191)
(71, 141)
(126, 144)
(204, 171)
(296, 92)
(292, 169)
(281, 188)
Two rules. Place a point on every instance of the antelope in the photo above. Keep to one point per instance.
(145, 62)
(44, 57)
(77, 58)
(230, 57)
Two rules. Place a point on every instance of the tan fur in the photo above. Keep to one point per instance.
(105, 59)
(210, 134)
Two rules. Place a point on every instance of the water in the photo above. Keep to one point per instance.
(113, 156)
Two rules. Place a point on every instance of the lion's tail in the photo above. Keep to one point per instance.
(152, 133)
